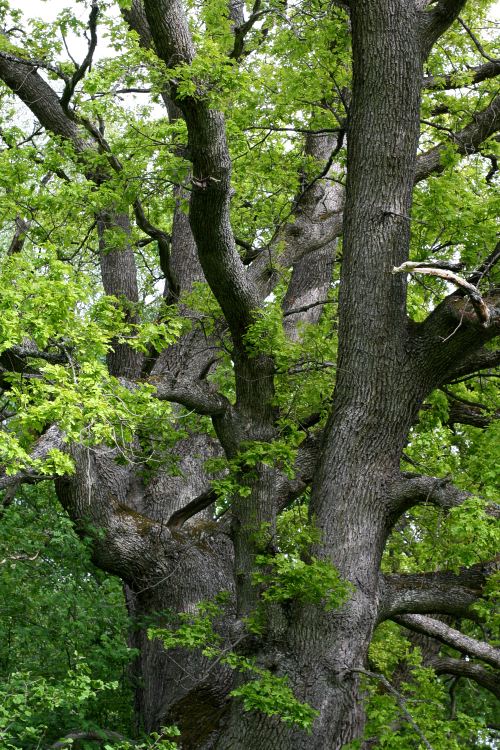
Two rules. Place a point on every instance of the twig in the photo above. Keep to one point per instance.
(476, 41)
(400, 700)
(304, 308)
(79, 73)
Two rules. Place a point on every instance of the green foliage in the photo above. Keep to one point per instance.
(260, 690)
(272, 696)
(56, 607)
(420, 695)
(296, 61)
(32, 707)
(305, 369)
(295, 533)
(33, 710)
(52, 308)
(286, 578)
(162, 740)
(239, 471)
(432, 539)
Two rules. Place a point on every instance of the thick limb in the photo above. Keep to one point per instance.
(451, 637)
(447, 665)
(434, 593)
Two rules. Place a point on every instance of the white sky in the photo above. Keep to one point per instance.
(48, 10)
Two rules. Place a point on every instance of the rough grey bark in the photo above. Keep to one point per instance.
(451, 637)
(356, 460)
(158, 534)
(469, 670)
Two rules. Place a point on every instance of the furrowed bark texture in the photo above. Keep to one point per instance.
(158, 533)
(358, 460)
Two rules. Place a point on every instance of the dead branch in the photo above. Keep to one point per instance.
(480, 307)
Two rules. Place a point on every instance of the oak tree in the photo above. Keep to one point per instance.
(248, 320)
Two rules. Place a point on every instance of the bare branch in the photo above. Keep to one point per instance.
(305, 308)
(438, 20)
(77, 76)
(443, 592)
(485, 267)
(476, 41)
(466, 78)
(20, 557)
(473, 293)
(179, 518)
(199, 397)
(466, 141)
(451, 637)
(400, 700)
(305, 131)
(469, 670)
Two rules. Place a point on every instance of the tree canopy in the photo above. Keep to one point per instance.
(249, 304)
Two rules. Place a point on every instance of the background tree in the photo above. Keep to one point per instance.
(63, 657)
(210, 344)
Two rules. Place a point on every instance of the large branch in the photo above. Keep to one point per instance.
(438, 20)
(434, 593)
(410, 489)
(452, 335)
(50, 440)
(451, 637)
(118, 268)
(469, 670)
(198, 396)
(211, 182)
(468, 77)
(466, 141)
(483, 359)
(23, 79)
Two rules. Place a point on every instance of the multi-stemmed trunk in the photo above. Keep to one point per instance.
(158, 535)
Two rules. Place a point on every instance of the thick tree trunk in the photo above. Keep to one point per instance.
(376, 385)
(155, 533)
(165, 573)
